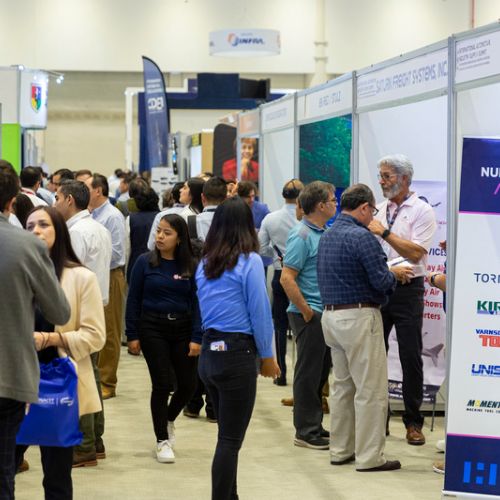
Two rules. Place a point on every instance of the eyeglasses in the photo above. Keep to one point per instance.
(375, 210)
(385, 177)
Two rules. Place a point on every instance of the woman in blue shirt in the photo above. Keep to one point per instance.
(163, 319)
(238, 327)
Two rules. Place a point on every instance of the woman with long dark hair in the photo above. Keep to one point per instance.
(162, 319)
(238, 327)
(82, 335)
(191, 197)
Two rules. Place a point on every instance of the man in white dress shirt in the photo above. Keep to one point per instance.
(31, 179)
(91, 242)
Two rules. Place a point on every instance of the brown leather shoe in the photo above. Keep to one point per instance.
(25, 466)
(81, 459)
(100, 450)
(324, 404)
(287, 401)
(414, 435)
(389, 465)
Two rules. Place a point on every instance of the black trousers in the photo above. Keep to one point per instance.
(230, 377)
(405, 311)
(165, 345)
(57, 464)
(280, 320)
(311, 372)
(196, 403)
(11, 416)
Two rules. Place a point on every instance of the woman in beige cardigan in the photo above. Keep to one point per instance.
(82, 335)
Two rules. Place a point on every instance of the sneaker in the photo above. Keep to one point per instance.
(441, 445)
(164, 452)
(171, 433)
(438, 467)
(315, 443)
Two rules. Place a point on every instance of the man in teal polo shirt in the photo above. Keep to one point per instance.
(300, 282)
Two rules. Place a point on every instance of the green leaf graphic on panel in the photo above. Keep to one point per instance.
(325, 151)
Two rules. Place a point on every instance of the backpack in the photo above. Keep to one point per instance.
(196, 242)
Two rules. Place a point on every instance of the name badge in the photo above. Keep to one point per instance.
(220, 345)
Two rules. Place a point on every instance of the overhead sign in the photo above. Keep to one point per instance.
(249, 123)
(477, 57)
(410, 78)
(330, 100)
(33, 98)
(278, 115)
(241, 43)
(473, 430)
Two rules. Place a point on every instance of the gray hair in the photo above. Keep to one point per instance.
(400, 163)
(355, 196)
(314, 193)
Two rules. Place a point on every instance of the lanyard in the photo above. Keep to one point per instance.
(392, 220)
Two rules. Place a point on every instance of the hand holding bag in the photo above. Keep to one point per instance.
(53, 421)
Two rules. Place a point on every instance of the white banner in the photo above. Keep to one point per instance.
(327, 101)
(477, 57)
(278, 115)
(162, 178)
(33, 99)
(406, 79)
(434, 324)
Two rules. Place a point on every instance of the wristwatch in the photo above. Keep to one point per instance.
(386, 233)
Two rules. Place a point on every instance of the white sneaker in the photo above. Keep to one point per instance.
(171, 433)
(441, 445)
(164, 452)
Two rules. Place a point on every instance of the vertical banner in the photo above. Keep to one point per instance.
(473, 431)
(434, 323)
(156, 110)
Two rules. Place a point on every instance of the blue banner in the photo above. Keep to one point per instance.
(157, 126)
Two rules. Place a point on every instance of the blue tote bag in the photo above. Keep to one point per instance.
(53, 421)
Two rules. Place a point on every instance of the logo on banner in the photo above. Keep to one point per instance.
(234, 40)
(480, 473)
(489, 338)
(487, 278)
(483, 406)
(36, 97)
(482, 370)
(488, 307)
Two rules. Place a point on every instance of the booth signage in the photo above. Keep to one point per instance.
(33, 99)
(237, 43)
(403, 80)
(477, 57)
(473, 432)
(278, 115)
(248, 123)
(330, 100)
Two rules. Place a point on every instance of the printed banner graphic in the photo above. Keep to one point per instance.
(473, 433)
(434, 324)
(157, 127)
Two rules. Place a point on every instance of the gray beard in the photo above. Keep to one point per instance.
(391, 193)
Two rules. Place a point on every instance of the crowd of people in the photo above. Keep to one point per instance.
(186, 286)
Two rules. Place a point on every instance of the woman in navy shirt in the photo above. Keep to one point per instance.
(238, 327)
(162, 319)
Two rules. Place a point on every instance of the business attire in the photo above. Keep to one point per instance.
(37, 202)
(414, 220)
(237, 324)
(273, 233)
(112, 219)
(354, 282)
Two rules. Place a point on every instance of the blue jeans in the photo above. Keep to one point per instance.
(230, 377)
(11, 416)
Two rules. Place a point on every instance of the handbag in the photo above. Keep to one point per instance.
(53, 421)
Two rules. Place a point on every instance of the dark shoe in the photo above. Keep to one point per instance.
(23, 467)
(191, 414)
(287, 401)
(315, 443)
(389, 465)
(100, 451)
(132, 353)
(82, 459)
(279, 381)
(324, 433)
(211, 419)
(414, 435)
(347, 460)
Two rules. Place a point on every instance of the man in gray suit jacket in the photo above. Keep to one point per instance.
(27, 278)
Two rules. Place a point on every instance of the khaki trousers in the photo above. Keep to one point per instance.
(113, 314)
(359, 394)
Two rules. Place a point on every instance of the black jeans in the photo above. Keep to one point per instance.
(280, 320)
(11, 416)
(196, 403)
(57, 464)
(405, 311)
(311, 372)
(165, 345)
(230, 377)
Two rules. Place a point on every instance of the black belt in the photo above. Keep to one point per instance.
(358, 305)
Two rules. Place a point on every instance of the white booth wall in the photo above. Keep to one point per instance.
(278, 165)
